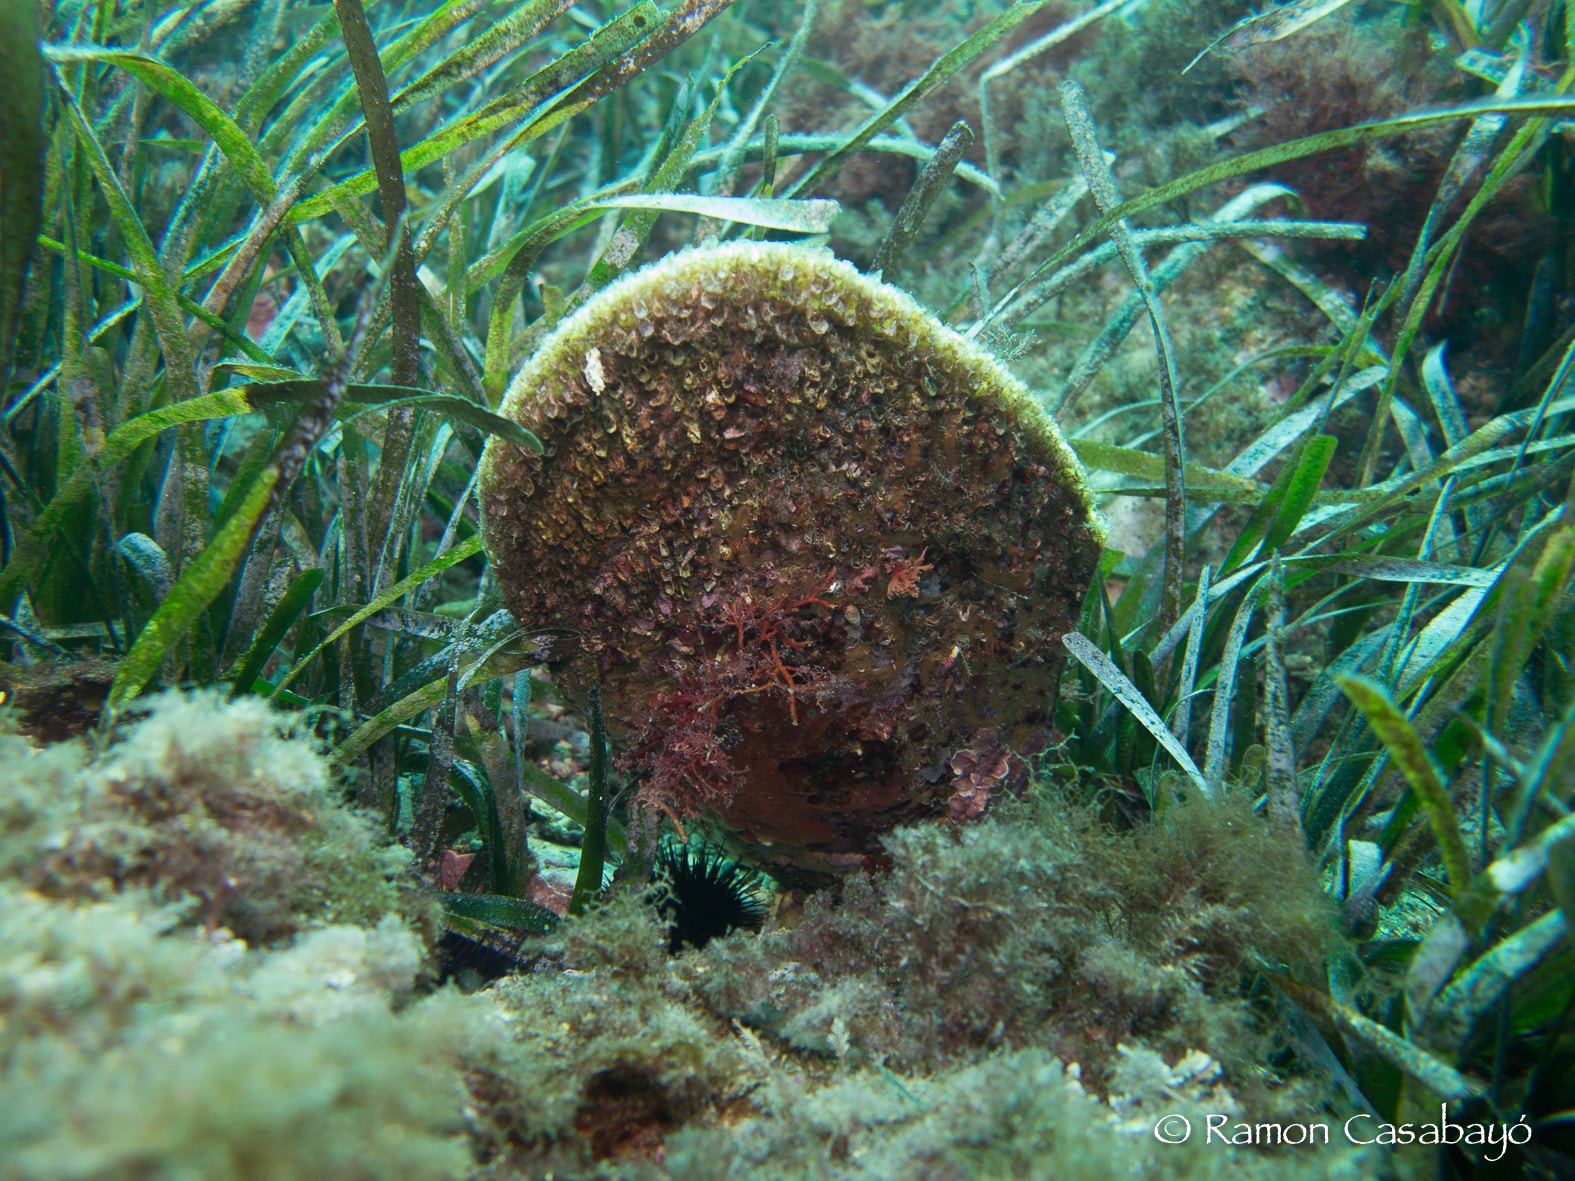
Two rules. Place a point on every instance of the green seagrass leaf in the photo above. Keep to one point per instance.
(451, 406)
(1274, 25)
(1477, 988)
(279, 621)
(1406, 748)
(198, 586)
(494, 910)
(1113, 679)
(388, 598)
(21, 156)
(1561, 876)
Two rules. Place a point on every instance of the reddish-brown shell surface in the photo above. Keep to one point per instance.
(820, 550)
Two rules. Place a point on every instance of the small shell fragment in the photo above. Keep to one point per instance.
(594, 377)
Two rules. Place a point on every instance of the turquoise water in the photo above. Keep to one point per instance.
(825, 590)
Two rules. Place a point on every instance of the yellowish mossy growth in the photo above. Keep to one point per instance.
(1022, 996)
(141, 1038)
(1016, 1113)
(819, 549)
(131, 1046)
(1039, 925)
(221, 802)
(607, 1059)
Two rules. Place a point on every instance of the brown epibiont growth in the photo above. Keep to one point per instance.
(816, 545)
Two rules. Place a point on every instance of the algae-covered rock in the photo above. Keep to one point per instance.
(228, 803)
(819, 549)
(210, 967)
(130, 1048)
(1026, 996)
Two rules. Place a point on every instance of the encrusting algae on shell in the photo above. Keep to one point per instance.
(820, 550)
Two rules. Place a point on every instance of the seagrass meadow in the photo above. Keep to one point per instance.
(857, 589)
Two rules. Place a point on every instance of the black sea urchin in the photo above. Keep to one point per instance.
(707, 895)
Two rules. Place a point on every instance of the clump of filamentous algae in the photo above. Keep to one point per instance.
(819, 549)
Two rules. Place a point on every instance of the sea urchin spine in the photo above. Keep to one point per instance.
(706, 895)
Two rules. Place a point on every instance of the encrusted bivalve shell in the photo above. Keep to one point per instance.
(819, 549)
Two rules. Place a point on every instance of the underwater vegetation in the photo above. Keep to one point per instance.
(839, 590)
(226, 814)
(142, 1038)
(199, 953)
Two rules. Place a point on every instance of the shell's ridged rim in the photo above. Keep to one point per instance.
(566, 345)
